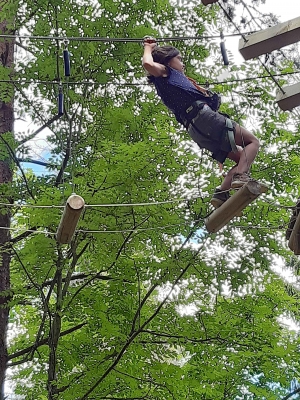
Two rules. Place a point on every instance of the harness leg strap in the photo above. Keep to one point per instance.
(230, 133)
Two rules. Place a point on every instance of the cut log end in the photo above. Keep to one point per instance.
(75, 202)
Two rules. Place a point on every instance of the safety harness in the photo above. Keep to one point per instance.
(191, 112)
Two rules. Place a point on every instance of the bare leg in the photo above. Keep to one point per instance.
(248, 146)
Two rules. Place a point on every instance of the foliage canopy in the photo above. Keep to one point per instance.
(144, 303)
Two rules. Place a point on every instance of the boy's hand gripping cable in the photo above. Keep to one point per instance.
(148, 39)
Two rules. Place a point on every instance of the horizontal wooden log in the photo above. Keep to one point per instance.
(69, 219)
(234, 205)
(267, 40)
(290, 98)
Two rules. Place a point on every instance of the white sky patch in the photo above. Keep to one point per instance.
(289, 323)
(287, 274)
(40, 147)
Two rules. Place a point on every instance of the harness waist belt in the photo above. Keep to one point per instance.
(192, 111)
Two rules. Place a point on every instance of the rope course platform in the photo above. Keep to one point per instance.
(267, 40)
(273, 38)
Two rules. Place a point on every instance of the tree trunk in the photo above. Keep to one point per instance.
(6, 125)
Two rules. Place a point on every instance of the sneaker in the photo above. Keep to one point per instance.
(239, 180)
(219, 198)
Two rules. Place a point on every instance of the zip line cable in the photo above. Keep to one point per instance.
(97, 205)
(279, 227)
(155, 203)
(98, 230)
(70, 83)
(110, 40)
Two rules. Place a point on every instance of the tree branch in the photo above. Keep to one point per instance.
(150, 291)
(40, 343)
(113, 263)
(134, 334)
(291, 394)
(167, 335)
(15, 158)
(32, 105)
(24, 235)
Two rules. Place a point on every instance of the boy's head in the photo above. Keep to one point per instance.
(163, 54)
(169, 56)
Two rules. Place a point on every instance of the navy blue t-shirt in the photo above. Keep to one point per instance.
(177, 91)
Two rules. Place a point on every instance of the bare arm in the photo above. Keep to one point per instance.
(151, 66)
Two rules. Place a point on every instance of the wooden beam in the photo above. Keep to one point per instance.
(290, 98)
(234, 205)
(69, 219)
(294, 241)
(206, 2)
(270, 39)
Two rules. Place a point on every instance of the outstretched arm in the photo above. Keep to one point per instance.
(154, 68)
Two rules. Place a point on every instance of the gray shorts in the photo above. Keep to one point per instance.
(208, 130)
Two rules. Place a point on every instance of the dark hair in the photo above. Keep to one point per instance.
(163, 54)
